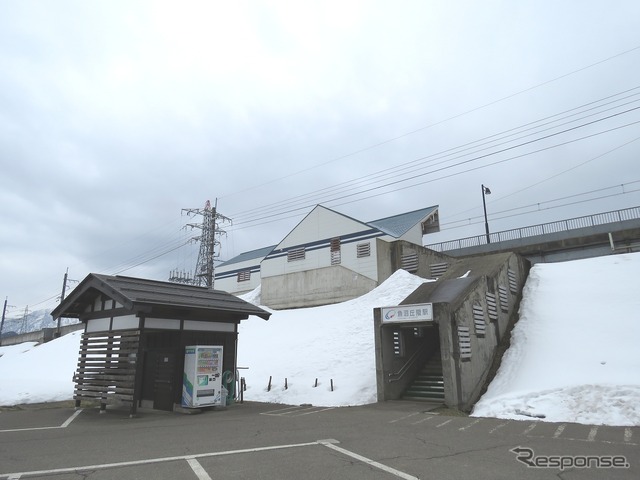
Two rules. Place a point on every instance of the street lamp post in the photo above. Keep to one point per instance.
(486, 191)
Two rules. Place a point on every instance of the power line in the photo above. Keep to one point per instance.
(464, 162)
(392, 172)
(494, 215)
(384, 142)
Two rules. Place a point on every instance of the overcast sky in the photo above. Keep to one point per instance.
(116, 115)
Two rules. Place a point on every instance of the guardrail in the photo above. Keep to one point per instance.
(614, 216)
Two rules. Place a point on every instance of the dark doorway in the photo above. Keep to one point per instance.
(162, 366)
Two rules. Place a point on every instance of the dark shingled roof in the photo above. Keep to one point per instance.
(136, 294)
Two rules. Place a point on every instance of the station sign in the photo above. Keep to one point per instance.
(421, 312)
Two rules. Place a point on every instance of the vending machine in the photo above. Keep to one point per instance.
(202, 379)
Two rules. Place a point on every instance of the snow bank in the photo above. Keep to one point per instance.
(574, 353)
(333, 342)
(32, 373)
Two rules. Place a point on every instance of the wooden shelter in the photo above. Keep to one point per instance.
(136, 331)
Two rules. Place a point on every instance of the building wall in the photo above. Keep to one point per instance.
(390, 259)
(314, 287)
(312, 279)
(226, 277)
(471, 340)
(467, 373)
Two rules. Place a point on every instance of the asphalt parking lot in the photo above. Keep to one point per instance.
(389, 440)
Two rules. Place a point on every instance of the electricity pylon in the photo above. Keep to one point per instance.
(209, 241)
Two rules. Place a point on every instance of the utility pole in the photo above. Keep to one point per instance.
(64, 288)
(209, 240)
(4, 311)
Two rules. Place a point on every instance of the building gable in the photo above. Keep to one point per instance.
(321, 224)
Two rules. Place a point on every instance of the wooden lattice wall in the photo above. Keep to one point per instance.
(107, 368)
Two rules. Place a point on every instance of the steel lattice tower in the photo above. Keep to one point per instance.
(209, 241)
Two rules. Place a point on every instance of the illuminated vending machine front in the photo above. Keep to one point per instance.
(202, 378)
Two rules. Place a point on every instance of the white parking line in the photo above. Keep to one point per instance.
(497, 427)
(315, 411)
(462, 429)
(296, 411)
(149, 461)
(425, 419)
(71, 418)
(197, 468)
(368, 461)
(443, 423)
(282, 411)
(64, 425)
(405, 417)
(627, 435)
(530, 428)
(200, 472)
(592, 434)
(559, 430)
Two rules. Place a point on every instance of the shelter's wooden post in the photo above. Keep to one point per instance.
(137, 385)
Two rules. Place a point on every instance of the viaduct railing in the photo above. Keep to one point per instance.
(632, 213)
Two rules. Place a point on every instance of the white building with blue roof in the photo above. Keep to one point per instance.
(241, 274)
(330, 257)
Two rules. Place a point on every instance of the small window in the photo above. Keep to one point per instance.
(296, 254)
(336, 255)
(431, 224)
(244, 276)
(363, 250)
(398, 344)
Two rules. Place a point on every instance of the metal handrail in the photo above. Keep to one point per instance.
(614, 216)
(394, 377)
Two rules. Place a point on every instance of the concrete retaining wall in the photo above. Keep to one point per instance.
(41, 336)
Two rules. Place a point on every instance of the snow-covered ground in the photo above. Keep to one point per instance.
(574, 353)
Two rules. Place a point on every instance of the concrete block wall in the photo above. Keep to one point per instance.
(466, 377)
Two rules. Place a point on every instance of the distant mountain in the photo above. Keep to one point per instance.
(31, 322)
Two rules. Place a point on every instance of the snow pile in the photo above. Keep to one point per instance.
(333, 342)
(31, 373)
(574, 353)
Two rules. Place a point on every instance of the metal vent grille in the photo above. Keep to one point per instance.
(513, 281)
(244, 276)
(409, 262)
(363, 250)
(504, 298)
(478, 320)
(336, 254)
(492, 307)
(296, 254)
(464, 342)
(438, 269)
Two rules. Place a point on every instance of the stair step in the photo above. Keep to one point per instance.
(425, 383)
(426, 388)
(424, 399)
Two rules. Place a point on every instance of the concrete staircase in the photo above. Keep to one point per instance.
(428, 386)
